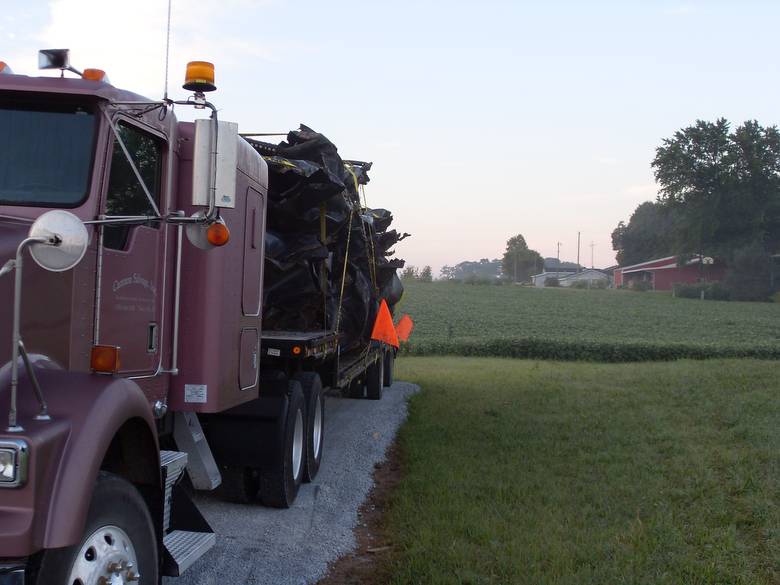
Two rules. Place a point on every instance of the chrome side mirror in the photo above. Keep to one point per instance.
(65, 240)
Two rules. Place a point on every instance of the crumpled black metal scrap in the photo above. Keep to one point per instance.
(306, 283)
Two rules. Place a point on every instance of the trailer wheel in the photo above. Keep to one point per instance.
(118, 544)
(375, 378)
(315, 422)
(281, 477)
(389, 365)
(239, 484)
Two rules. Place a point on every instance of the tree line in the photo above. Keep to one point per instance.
(718, 196)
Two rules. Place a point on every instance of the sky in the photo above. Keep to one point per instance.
(483, 119)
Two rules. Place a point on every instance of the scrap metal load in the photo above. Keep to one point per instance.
(328, 258)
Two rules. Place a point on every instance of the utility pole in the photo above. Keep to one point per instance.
(592, 245)
(578, 252)
(558, 265)
(515, 267)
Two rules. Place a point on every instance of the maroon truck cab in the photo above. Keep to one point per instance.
(183, 320)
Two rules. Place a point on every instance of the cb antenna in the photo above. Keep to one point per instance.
(167, 50)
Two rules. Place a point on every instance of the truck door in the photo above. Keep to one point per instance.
(131, 260)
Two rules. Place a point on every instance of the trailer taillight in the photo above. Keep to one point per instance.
(4, 68)
(105, 359)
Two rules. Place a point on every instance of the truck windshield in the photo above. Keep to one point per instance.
(45, 154)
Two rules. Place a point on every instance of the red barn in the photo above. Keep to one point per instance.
(664, 273)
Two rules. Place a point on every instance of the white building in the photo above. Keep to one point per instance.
(567, 278)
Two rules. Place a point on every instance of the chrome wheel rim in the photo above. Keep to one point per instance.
(297, 454)
(107, 556)
(316, 433)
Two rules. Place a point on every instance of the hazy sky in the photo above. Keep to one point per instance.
(483, 119)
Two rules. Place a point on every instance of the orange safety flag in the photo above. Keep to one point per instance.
(404, 328)
(383, 326)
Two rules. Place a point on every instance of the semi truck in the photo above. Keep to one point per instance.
(135, 365)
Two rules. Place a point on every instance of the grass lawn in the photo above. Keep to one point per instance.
(597, 325)
(520, 471)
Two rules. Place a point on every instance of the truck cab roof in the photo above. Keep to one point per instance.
(67, 85)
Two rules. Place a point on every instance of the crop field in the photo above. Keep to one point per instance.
(531, 472)
(594, 325)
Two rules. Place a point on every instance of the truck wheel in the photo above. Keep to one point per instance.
(375, 378)
(389, 364)
(356, 388)
(281, 477)
(239, 484)
(118, 544)
(315, 423)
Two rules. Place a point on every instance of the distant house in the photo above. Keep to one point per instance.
(568, 278)
(555, 265)
(664, 273)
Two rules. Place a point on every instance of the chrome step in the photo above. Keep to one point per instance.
(183, 548)
(172, 464)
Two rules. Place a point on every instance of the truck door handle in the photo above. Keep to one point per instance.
(151, 340)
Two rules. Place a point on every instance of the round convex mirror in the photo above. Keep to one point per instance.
(70, 240)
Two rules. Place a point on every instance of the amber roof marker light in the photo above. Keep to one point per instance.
(199, 77)
(93, 74)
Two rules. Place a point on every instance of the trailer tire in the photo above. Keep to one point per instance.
(280, 478)
(375, 378)
(239, 484)
(117, 515)
(389, 365)
(315, 422)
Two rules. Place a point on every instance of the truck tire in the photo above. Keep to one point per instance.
(375, 379)
(356, 389)
(315, 422)
(239, 484)
(281, 476)
(118, 530)
(389, 365)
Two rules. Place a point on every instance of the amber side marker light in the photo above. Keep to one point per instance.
(296, 350)
(218, 234)
(105, 359)
(4, 68)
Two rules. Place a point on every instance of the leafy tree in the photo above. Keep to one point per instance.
(645, 236)
(426, 274)
(483, 268)
(447, 272)
(409, 273)
(519, 262)
(748, 278)
(723, 186)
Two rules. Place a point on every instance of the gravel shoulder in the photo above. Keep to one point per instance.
(294, 546)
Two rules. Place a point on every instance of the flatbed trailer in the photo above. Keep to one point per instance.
(318, 351)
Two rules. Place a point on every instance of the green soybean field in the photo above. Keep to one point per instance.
(592, 325)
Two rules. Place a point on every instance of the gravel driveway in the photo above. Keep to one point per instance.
(263, 545)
